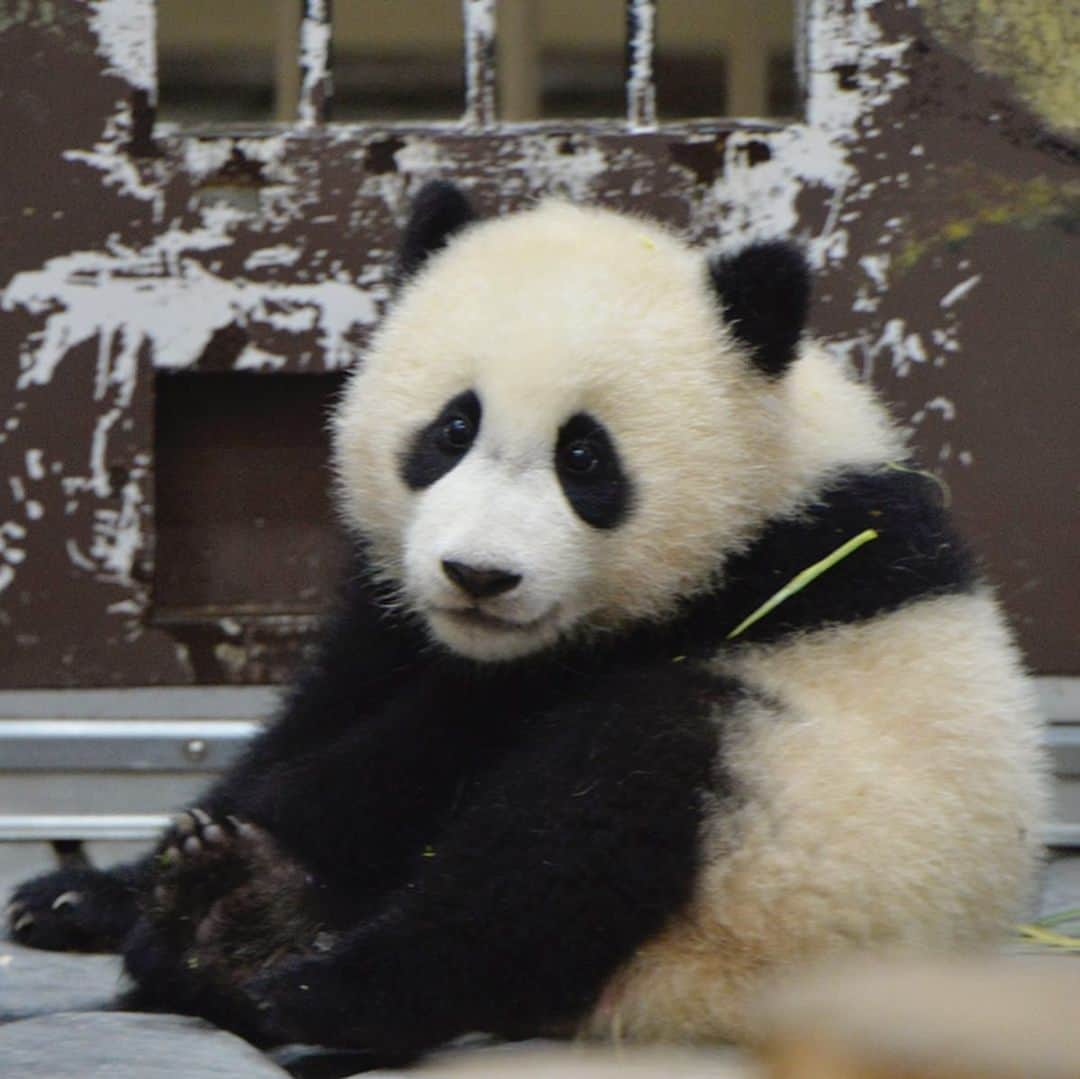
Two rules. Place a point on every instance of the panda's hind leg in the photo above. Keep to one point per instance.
(195, 865)
(277, 909)
(224, 904)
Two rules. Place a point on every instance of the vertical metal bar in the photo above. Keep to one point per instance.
(480, 73)
(286, 68)
(519, 60)
(316, 83)
(747, 63)
(640, 43)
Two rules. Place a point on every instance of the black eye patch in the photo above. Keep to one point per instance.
(436, 448)
(590, 473)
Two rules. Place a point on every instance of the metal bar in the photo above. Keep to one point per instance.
(286, 67)
(161, 702)
(519, 61)
(1059, 697)
(316, 81)
(480, 65)
(104, 745)
(640, 47)
(48, 827)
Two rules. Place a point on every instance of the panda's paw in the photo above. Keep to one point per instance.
(276, 910)
(196, 863)
(78, 909)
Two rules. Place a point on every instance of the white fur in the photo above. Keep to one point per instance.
(891, 797)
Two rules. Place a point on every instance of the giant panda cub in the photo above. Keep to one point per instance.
(555, 771)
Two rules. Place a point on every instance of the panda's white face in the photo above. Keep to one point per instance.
(552, 431)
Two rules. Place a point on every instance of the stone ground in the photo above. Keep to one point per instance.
(57, 1022)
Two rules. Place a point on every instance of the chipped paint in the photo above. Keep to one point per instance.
(640, 88)
(162, 297)
(960, 291)
(116, 165)
(314, 61)
(125, 31)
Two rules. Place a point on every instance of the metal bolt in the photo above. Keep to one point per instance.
(195, 749)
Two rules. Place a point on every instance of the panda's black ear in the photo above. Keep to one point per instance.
(438, 212)
(764, 291)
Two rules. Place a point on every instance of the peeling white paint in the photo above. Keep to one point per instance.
(125, 606)
(943, 405)
(420, 157)
(314, 58)
(572, 176)
(77, 558)
(640, 88)
(160, 298)
(902, 349)
(279, 255)
(35, 464)
(116, 165)
(12, 553)
(256, 359)
(126, 32)
(117, 536)
(960, 291)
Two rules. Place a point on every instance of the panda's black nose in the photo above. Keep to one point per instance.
(480, 583)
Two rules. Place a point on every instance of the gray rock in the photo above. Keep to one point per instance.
(33, 982)
(127, 1045)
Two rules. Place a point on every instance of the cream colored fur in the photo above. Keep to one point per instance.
(887, 784)
(559, 310)
(889, 795)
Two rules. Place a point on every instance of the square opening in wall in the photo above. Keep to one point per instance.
(243, 520)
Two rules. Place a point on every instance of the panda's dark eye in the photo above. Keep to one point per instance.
(580, 456)
(442, 445)
(456, 434)
(590, 473)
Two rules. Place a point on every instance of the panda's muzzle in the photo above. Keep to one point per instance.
(480, 583)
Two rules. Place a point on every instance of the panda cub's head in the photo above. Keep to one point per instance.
(566, 421)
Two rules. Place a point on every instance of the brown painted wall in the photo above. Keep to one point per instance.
(941, 211)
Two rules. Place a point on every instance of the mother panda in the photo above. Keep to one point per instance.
(554, 769)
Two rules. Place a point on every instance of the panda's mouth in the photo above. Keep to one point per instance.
(476, 617)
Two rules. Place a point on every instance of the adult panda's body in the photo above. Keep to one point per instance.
(531, 784)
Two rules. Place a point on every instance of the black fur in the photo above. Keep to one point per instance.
(436, 449)
(439, 212)
(764, 292)
(76, 909)
(482, 846)
(917, 555)
(596, 486)
(468, 824)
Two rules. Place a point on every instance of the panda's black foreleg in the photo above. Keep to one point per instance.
(76, 909)
(574, 850)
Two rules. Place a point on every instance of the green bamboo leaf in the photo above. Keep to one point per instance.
(802, 579)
